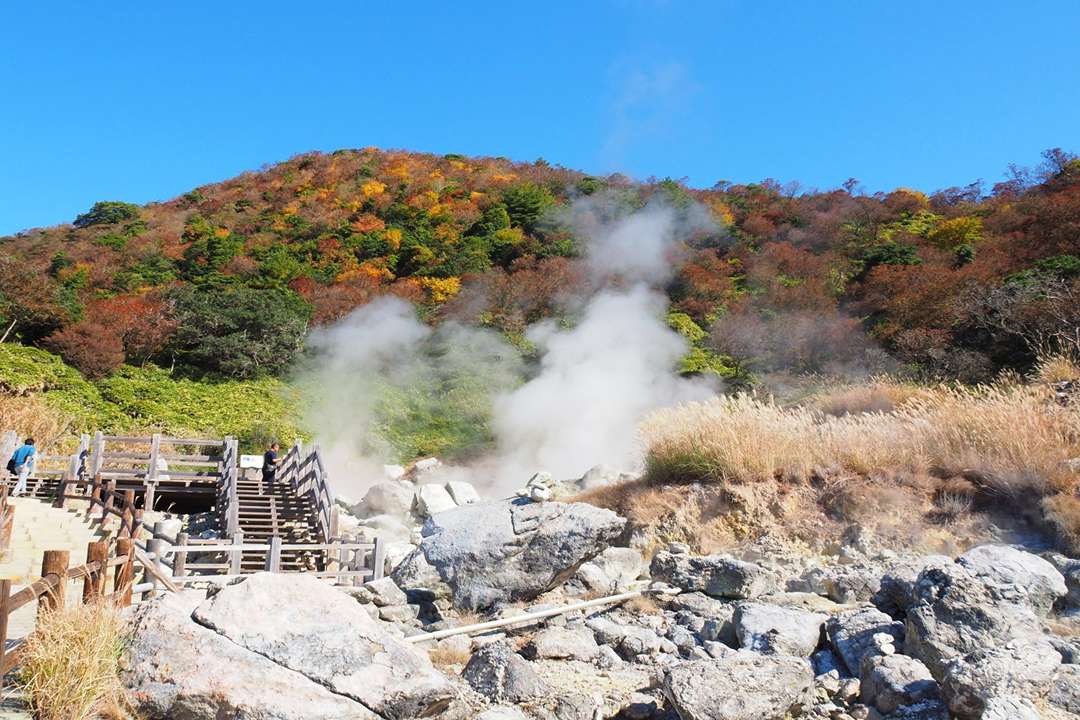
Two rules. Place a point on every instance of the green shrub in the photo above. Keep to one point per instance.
(106, 212)
(238, 332)
(250, 410)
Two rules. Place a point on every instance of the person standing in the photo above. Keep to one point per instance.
(22, 464)
(270, 463)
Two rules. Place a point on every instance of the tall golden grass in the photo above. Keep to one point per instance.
(71, 664)
(30, 417)
(1012, 438)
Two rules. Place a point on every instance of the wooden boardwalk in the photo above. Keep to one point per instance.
(290, 525)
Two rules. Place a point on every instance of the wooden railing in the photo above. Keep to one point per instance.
(307, 475)
(350, 562)
(228, 499)
(51, 590)
(128, 463)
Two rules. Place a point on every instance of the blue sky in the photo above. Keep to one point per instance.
(142, 101)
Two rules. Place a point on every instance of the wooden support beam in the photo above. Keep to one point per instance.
(54, 562)
(125, 572)
(94, 583)
(180, 558)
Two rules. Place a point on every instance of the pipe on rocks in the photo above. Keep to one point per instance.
(541, 614)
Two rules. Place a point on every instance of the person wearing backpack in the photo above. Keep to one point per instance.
(22, 464)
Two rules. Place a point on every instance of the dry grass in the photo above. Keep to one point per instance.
(70, 668)
(30, 417)
(877, 396)
(446, 657)
(1010, 437)
(1062, 511)
(1058, 368)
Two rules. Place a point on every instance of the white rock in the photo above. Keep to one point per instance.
(393, 472)
(395, 553)
(462, 492)
(433, 498)
(426, 464)
(540, 494)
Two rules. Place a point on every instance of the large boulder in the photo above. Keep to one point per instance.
(896, 591)
(1022, 668)
(1070, 570)
(612, 570)
(386, 498)
(1065, 689)
(957, 614)
(177, 668)
(1010, 707)
(856, 633)
(501, 675)
(777, 631)
(508, 550)
(1016, 576)
(716, 575)
(432, 499)
(741, 686)
(302, 624)
(889, 682)
(559, 643)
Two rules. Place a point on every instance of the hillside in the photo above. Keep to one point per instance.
(223, 284)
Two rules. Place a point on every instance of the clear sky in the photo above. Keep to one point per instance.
(143, 100)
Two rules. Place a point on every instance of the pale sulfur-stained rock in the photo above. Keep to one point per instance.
(301, 623)
(432, 499)
(777, 631)
(177, 668)
(716, 575)
(1016, 576)
(741, 686)
(508, 550)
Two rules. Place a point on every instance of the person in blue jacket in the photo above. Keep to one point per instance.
(22, 464)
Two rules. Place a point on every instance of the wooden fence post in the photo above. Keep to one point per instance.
(94, 583)
(99, 451)
(109, 492)
(155, 548)
(54, 562)
(7, 523)
(125, 572)
(96, 503)
(180, 557)
(127, 518)
(235, 558)
(5, 594)
(378, 558)
(62, 489)
(273, 555)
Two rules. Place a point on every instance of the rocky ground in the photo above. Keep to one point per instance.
(763, 632)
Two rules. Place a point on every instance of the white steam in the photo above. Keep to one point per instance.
(597, 382)
(581, 407)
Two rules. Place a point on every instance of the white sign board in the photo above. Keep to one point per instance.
(251, 461)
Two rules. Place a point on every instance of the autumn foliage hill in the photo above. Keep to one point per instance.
(226, 280)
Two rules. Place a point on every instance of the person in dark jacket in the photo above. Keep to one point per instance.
(270, 463)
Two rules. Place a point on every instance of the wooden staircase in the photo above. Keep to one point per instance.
(268, 509)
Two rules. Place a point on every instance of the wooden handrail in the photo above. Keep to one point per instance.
(50, 590)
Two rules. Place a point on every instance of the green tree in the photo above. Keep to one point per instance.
(106, 212)
(495, 218)
(891, 253)
(238, 332)
(209, 249)
(526, 204)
